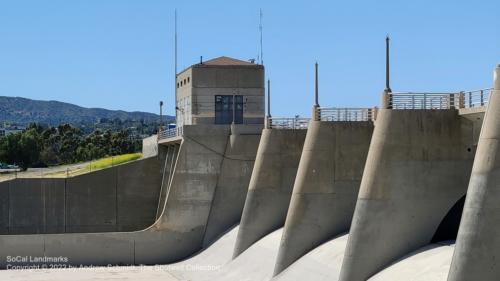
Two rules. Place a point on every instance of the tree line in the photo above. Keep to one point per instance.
(41, 146)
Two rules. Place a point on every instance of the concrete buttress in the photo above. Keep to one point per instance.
(478, 242)
(270, 186)
(417, 168)
(326, 187)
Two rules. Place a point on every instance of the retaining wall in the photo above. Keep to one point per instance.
(180, 230)
(120, 198)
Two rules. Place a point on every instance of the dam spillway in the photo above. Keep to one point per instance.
(350, 194)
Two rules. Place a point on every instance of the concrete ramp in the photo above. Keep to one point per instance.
(255, 264)
(211, 259)
(326, 186)
(431, 262)
(179, 232)
(478, 244)
(321, 264)
(417, 169)
(270, 186)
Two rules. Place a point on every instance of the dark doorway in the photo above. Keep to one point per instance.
(224, 109)
(448, 228)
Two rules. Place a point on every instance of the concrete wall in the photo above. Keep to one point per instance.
(232, 184)
(326, 187)
(150, 146)
(121, 198)
(179, 232)
(201, 83)
(270, 186)
(169, 152)
(417, 168)
(478, 244)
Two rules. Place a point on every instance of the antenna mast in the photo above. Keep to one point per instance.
(260, 29)
(175, 65)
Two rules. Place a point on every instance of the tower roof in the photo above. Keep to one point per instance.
(226, 61)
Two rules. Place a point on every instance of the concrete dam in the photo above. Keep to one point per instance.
(403, 191)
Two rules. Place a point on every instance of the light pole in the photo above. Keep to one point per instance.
(161, 117)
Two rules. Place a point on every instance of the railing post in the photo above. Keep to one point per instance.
(461, 100)
(316, 113)
(386, 99)
(470, 99)
(482, 98)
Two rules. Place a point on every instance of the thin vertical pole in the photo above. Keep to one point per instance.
(316, 99)
(261, 47)
(175, 65)
(268, 98)
(387, 62)
(234, 108)
(161, 117)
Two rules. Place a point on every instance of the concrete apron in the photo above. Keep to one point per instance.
(326, 187)
(178, 233)
(478, 244)
(417, 168)
(270, 186)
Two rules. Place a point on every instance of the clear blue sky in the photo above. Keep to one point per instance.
(118, 54)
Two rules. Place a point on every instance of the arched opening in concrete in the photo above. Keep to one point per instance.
(448, 228)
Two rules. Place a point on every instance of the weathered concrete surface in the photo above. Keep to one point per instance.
(120, 198)
(326, 187)
(270, 186)
(179, 232)
(478, 244)
(321, 264)
(232, 184)
(168, 152)
(150, 146)
(431, 262)
(418, 167)
(255, 264)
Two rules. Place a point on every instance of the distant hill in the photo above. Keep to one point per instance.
(24, 111)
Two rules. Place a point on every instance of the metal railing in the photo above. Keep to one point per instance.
(170, 133)
(464, 99)
(296, 123)
(476, 98)
(345, 114)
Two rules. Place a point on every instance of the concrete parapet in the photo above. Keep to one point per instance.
(270, 186)
(477, 246)
(417, 168)
(326, 187)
